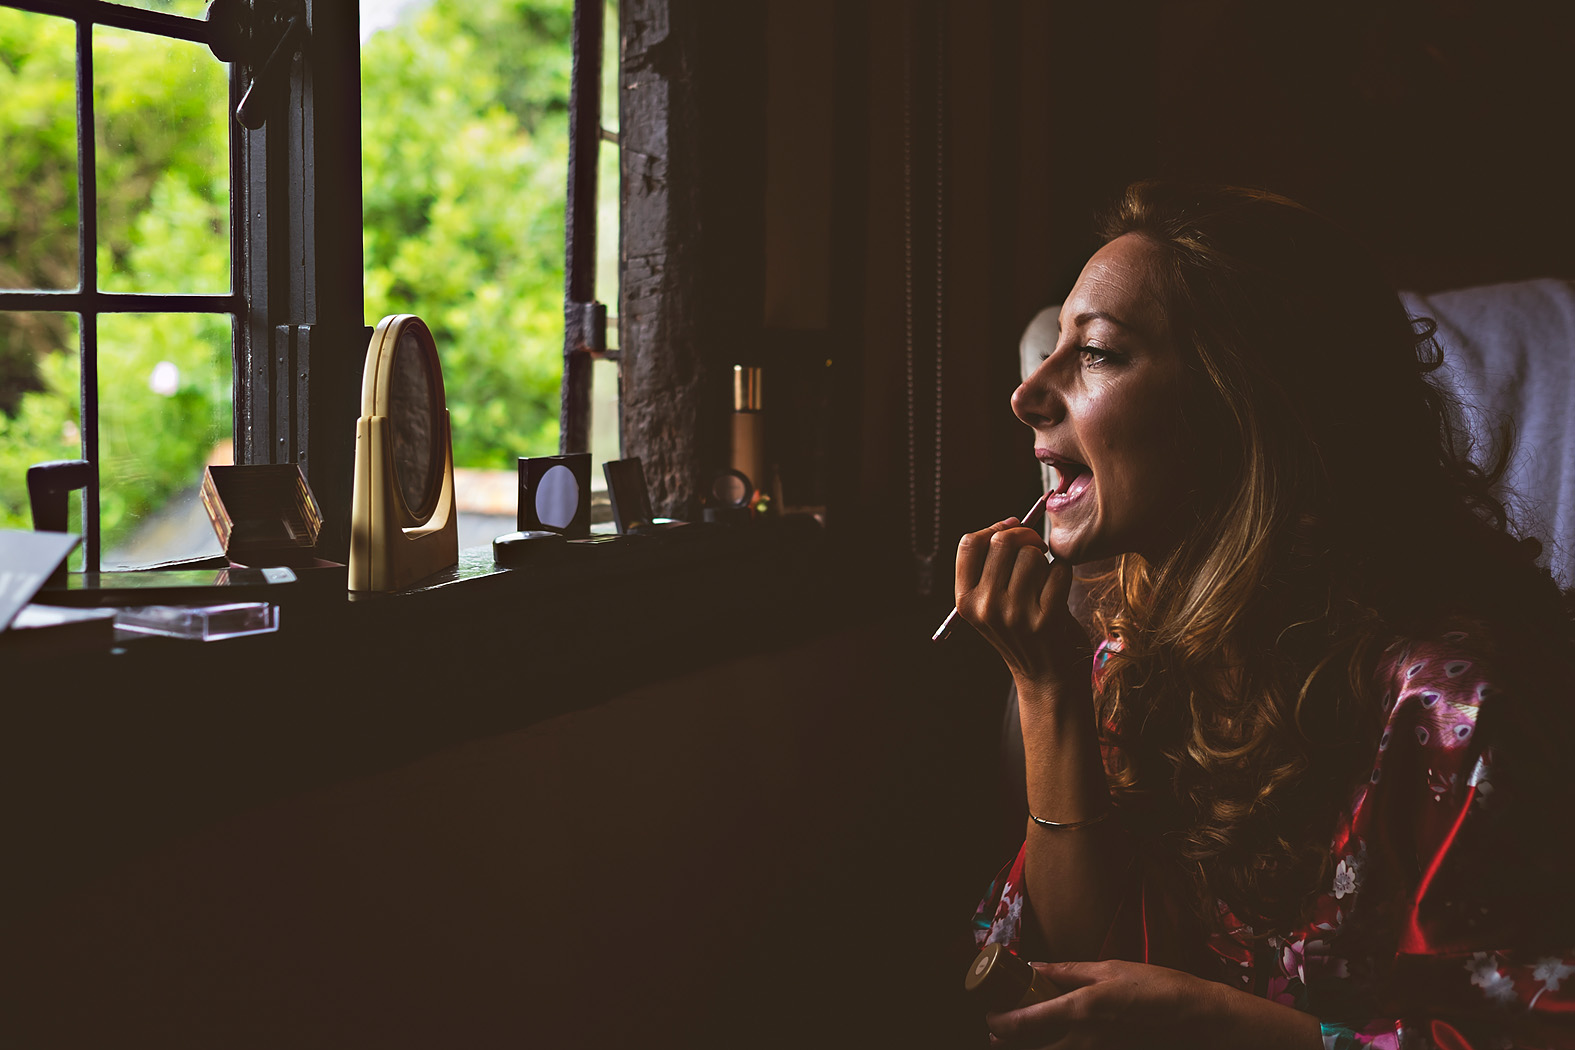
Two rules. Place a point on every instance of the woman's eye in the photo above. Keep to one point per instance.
(1094, 356)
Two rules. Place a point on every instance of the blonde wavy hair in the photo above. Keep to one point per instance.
(1339, 509)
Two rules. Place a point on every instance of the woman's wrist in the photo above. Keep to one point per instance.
(1050, 689)
(1065, 776)
(1242, 1020)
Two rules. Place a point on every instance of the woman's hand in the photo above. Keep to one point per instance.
(1017, 600)
(1116, 1004)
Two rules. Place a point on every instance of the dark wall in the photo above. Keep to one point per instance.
(774, 850)
(1436, 130)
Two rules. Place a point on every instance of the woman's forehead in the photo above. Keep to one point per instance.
(1119, 284)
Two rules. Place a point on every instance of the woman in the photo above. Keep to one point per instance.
(1313, 798)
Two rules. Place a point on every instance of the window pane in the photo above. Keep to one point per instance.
(40, 399)
(610, 50)
(38, 141)
(604, 419)
(464, 157)
(607, 246)
(188, 8)
(163, 164)
(164, 413)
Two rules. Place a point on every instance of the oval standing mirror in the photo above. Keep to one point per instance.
(415, 406)
(403, 524)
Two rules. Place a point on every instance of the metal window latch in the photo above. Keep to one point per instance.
(264, 36)
(587, 323)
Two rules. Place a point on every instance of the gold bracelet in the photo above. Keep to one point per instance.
(1074, 824)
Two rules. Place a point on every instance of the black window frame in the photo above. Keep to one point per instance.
(295, 299)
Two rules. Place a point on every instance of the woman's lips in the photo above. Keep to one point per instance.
(1058, 500)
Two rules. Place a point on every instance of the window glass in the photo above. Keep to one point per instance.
(39, 414)
(163, 170)
(604, 419)
(38, 141)
(464, 165)
(188, 8)
(611, 49)
(605, 442)
(607, 231)
(165, 393)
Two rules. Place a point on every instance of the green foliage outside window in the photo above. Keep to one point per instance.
(163, 212)
(464, 138)
(465, 154)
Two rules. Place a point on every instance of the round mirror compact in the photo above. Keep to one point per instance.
(557, 497)
(402, 515)
(731, 488)
(730, 493)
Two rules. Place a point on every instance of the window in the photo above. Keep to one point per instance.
(465, 115)
(178, 290)
(117, 300)
(167, 275)
(606, 381)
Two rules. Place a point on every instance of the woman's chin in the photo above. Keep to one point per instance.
(1070, 546)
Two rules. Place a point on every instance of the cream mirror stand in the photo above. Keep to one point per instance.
(403, 524)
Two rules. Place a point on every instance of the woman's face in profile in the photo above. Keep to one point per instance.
(1105, 406)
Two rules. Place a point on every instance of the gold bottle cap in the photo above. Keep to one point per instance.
(746, 388)
(997, 978)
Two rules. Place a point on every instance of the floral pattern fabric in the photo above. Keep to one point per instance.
(1427, 936)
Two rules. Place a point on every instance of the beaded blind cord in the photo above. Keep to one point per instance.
(923, 560)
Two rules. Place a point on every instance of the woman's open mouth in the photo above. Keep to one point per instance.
(1068, 481)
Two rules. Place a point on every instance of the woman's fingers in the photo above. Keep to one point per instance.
(988, 569)
(1069, 975)
(1029, 582)
(1038, 1025)
(973, 555)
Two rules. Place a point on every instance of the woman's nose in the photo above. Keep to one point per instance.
(1036, 400)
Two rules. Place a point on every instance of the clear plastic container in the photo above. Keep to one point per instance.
(204, 623)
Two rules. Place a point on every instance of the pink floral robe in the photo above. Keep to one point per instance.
(1420, 941)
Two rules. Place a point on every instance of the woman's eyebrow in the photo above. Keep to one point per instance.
(1099, 315)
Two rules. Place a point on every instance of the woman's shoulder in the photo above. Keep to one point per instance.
(1461, 657)
(1469, 691)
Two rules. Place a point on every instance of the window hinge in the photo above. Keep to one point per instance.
(264, 36)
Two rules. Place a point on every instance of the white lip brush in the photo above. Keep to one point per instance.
(945, 629)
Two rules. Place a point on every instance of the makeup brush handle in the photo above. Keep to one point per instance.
(945, 629)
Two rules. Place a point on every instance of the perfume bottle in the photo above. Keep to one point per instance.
(749, 428)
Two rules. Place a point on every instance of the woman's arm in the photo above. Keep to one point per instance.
(1072, 876)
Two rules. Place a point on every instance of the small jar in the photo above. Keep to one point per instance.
(1001, 981)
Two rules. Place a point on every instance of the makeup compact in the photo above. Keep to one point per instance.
(515, 550)
(403, 524)
(631, 499)
(727, 500)
(263, 513)
(555, 495)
